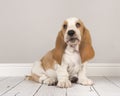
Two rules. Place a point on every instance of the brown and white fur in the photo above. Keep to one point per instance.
(68, 59)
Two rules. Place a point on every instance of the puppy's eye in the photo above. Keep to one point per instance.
(65, 26)
(77, 25)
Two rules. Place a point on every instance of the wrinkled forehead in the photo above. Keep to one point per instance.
(72, 21)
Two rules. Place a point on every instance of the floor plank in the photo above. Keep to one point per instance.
(9, 83)
(80, 90)
(60, 91)
(3, 78)
(105, 88)
(114, 80)
(17, 86)
(26, 88)
(51, 91)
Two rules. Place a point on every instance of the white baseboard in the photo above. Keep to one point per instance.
(94, 69)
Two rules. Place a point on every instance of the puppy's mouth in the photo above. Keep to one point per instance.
(73, 40)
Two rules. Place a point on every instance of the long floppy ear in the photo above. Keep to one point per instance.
(86, 49)
(59, 47)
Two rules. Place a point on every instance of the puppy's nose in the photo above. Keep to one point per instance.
(71, 32)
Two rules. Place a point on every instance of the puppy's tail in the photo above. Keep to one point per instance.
(28, 77)
(33, 77)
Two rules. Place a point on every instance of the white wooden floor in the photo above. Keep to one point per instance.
(18, 86)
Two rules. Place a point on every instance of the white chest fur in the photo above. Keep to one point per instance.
(71, 59)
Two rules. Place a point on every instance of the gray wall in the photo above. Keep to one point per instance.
(28, 28)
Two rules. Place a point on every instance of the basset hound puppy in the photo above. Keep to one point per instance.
(66, 63)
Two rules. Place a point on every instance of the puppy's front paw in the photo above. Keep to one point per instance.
(64, 84)
(49, 81)
(86, 82)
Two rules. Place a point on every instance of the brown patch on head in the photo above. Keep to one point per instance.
(79, 24)
(85, 48)
(60, 47)
(65, 25)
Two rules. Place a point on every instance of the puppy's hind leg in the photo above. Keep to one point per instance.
(37, 73)
(36, 78)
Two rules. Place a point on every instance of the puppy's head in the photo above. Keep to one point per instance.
(74, 32)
